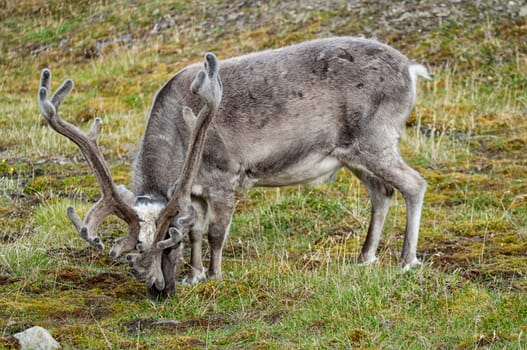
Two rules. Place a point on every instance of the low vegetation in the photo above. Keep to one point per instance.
(290, 278)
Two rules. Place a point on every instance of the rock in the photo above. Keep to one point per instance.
(523, 11)
(123, 39)
(165, 22)
(36, 338)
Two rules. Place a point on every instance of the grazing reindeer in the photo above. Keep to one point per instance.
(294, 115)
(158, 259)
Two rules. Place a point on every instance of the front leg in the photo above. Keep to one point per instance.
(220, 221)
(196, 272)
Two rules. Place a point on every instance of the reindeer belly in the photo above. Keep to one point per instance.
(313, 169)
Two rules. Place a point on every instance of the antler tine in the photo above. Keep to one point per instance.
(111, 201)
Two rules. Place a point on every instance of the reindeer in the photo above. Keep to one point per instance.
(293, 115)
(150, 223)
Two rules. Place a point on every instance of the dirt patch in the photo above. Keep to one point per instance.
(337, 236)
(212, 322)
(111, 284)
(105, 279)
(239, 249)
(9, 343)
(8, 279)
(274, 317)
(457, 256)
(87, 255)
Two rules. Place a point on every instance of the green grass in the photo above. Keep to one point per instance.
(289, 275)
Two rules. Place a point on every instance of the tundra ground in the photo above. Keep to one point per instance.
(290, 278)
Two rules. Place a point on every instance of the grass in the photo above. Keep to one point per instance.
(289, 273)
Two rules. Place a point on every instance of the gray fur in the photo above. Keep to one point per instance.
(294, 115)
(290, 116)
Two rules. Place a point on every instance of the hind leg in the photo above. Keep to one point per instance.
(413, 193)
(412, 186)
(386, 164)
(380, 196)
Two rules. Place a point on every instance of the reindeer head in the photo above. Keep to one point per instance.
(149, 225)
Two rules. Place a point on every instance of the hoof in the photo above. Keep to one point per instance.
(366, 261)
(413, 263)
(214, 276)
(194, 279)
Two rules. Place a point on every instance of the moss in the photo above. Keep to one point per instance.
(208, 290)
(183, 342)
(43, 310)
(259, 37)
(494, 122)
(85, 335)
(37, 185)
(358, 337)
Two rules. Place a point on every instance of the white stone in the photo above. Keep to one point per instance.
(36, 338)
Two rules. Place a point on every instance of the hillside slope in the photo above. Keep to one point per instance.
(290, 279)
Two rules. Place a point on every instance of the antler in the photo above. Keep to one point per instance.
(207, 85)
(147, 266)
(111, 201)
